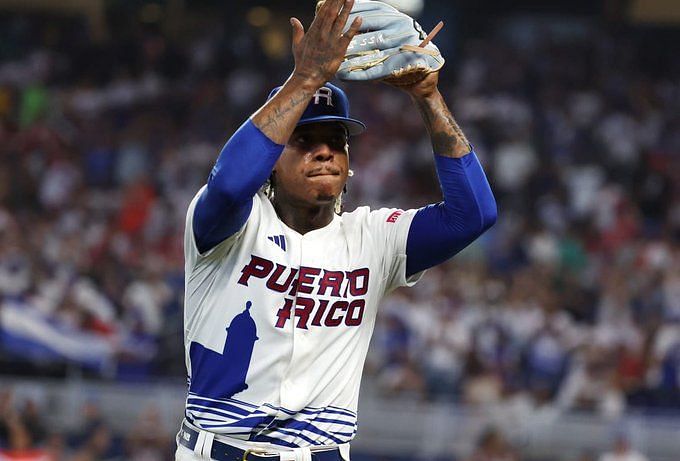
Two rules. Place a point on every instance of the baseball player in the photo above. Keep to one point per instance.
(282, 290)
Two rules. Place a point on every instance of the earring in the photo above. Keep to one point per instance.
(269, 187)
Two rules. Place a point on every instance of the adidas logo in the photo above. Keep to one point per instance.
(280, 240)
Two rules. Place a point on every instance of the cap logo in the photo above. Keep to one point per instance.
(324, 93)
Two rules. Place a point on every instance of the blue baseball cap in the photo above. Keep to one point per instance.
(329, 104)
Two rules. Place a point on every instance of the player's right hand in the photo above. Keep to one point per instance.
(319, 52)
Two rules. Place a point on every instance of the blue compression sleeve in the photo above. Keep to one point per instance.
(441, 230)
(245, 163)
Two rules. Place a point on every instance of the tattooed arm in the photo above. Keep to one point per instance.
(447, 138)
(247, 159)
(318, 54)
(441, 230)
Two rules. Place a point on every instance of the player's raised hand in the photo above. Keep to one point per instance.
(422, 88)
(319, 52)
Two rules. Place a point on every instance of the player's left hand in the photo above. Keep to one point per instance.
(420, 89)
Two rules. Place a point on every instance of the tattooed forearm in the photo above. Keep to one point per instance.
(446, 136)
(278, 117)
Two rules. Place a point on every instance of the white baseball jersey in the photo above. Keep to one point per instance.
(277, 324)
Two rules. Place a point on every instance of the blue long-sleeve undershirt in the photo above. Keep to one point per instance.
(437, 231)
(243, 166)
(441, 230)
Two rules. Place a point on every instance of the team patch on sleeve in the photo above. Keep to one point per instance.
(392, 218)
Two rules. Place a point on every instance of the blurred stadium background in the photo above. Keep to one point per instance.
(556, 336)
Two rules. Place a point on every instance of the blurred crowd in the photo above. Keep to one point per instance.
(25, 435)
(571, 301)
(493, 445)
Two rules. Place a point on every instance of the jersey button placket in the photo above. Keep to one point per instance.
(299, 335)
(287, 383)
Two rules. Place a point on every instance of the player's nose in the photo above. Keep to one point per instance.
(322, 152)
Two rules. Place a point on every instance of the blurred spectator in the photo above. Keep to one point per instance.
(94, 439)
(100, 445)
(591, 386)
(20, 445)
(148, 440)
(90, 419)
(21, 430)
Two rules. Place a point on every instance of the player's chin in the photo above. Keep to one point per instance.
(325, 197)
(326, 188)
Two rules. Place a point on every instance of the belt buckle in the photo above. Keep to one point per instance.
(255, 451)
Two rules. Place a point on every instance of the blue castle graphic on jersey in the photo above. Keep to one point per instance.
(220, 376)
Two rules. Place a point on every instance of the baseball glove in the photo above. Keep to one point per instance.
(388, 47)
